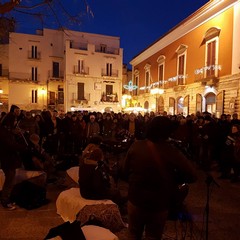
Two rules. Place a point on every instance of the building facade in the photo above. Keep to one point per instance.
(195, 66)
(63, 70)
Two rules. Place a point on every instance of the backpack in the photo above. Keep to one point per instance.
(29, 195)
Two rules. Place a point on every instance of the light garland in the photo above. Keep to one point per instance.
(174, 79)
(207, 68)
(130, 87)
(162, 82)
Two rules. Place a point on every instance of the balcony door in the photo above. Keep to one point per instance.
(56, 69)
(80, 93)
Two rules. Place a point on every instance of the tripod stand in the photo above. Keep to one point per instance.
(209, 180)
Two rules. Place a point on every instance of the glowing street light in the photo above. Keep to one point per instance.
(155, 91)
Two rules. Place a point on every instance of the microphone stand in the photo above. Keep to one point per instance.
(209, 181)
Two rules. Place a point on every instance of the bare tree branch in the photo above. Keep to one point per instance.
(8, 6)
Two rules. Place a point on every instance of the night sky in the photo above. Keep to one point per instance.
(138, 23)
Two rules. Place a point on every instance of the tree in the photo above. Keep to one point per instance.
(59, 12)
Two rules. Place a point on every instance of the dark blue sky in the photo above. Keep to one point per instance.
(138, 23)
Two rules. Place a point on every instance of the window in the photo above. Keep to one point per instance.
(211, 40)
(181, 69)
(147, 81)
(56, 69)
(147, 77)
(34, 96)
(52, 98)
(109, 69)
(161, 66)
(181, 64)
(34, 74)
(103, 48)
(161, 74)
(80, 93)
(109, 92)
(60, 95)
(80, 66)
(211, 58)
(34, 53)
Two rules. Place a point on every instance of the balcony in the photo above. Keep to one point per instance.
(82, 71)
(81, 100)
(79, 45)
(55, 76)
(23, 77)
(113, 97)
(107, 50)
(207, 74)
(108, 73)
(34, 56)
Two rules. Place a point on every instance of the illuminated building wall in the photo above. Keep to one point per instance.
(197, 64)
(64, 70)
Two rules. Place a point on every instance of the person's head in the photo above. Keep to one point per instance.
(34, 138)
(15, 110)
(207, 119)
(96, 154)
(108, 116)
(74, 117)
(160, 128)
(132, 117)
(54, 113)
(92, 118)
(235, 116)
(235, 128)
(28, 114)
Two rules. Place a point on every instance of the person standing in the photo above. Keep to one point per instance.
(93, 128)
(11, 147)
(149, 168)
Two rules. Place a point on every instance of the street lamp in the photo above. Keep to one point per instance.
(43, 92)
(125, 99)
(156, 92)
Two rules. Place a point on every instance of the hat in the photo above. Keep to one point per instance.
(34, 138)
(13, 107)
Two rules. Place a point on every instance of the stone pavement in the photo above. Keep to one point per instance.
(224, 215)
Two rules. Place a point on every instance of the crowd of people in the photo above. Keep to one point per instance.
(35, 140)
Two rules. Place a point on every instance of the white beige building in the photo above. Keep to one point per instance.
(195, 66)
(63, 70)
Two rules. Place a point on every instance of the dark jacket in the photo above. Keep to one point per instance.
(10, 149)
(94, 181)
(152, 182)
